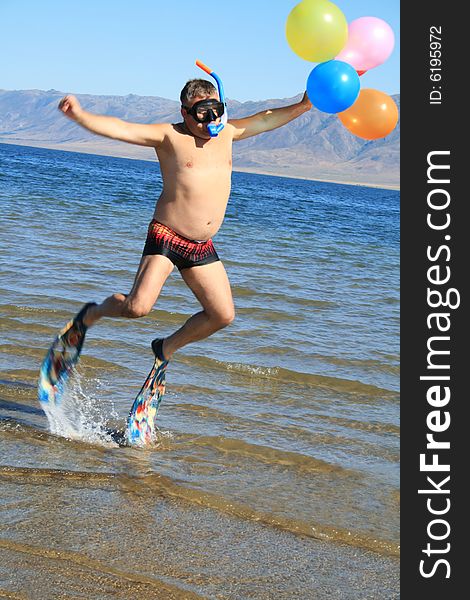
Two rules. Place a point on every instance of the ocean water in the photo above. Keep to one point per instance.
(276, 474)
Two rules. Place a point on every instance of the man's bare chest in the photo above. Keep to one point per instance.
(186, 152)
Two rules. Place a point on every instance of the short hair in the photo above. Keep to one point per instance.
(195, 88)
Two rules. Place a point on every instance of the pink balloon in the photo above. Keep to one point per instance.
(370, 43)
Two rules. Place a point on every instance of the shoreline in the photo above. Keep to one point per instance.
(382, 186)
(116, 154)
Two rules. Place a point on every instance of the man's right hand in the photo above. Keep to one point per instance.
(113, 127)
(70, 106)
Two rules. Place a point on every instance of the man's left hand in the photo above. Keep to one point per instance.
(306, 102)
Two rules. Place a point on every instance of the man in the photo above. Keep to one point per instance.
(196, 170)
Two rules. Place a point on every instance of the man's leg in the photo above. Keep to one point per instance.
(152, 273)
(210, 285)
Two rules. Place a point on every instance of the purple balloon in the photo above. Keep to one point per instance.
(370, 43)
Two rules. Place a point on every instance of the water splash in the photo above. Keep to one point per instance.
(82, 413)
(87, 413)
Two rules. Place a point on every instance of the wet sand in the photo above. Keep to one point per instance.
(67, 534)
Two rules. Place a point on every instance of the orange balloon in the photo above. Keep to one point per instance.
(374, 115)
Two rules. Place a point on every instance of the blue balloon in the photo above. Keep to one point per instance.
(333, 86)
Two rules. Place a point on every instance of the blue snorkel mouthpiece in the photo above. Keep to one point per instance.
(212, 128)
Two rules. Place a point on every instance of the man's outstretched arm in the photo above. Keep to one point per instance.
(268, 119)
(112, 127)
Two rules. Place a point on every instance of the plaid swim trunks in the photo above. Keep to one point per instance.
(183, 252)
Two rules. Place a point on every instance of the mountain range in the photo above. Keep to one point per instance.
(314, 146)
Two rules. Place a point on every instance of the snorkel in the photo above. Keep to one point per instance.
(212, 128)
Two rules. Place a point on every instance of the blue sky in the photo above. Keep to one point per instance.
(148, 47)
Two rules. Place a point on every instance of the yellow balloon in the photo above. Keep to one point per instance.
(316, 30)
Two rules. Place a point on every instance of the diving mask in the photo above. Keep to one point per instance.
(206, 111)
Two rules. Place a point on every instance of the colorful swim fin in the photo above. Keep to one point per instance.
(60, 359)
(141, 427)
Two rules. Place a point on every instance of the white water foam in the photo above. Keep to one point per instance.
(82, 414)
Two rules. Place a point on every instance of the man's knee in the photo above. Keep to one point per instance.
(133, 309)
(223, 318)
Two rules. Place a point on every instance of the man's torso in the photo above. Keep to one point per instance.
(196, 182)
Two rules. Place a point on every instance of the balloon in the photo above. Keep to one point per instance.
(361, 72)
(316, 30)
(370, 43)
(374, 115)
(333, 86)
